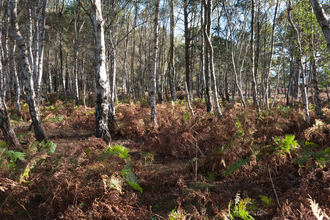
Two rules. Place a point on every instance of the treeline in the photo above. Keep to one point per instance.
(149, 49)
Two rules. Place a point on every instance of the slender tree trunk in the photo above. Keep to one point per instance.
(221, 92)
(207, 29)
(5, 68)
(255, 57)
(201, 84)
(160, 68)
(322, 19)
(27, 74)
(154, 67)
(36, 51)
(311, 81)
(315, 81)
(209, 42)
(41, 51)
(171, 68)
(102, 81)
(296, 68)
(238, 85)
(76, 56)
(284, 81)
(83, 81)
(300, 64)
(253, 68)
(48, 67)
(62, 68)
(18, 89)
(290, 80)
(188, 100)
(56, 70)
(162, 77)
(124, 77)
(278, 72)
(113, 42)
(133, 86)
(187, 43)
(30, 39)
(5, 124)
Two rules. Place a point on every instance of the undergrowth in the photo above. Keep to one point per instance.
(185, 168)
(126, 173)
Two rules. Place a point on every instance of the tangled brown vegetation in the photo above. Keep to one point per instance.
(68, 184)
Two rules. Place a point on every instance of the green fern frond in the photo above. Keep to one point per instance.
(235, 166)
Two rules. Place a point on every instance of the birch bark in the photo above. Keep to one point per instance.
(154, 67)
(102, 81)
(27, 74)
(322, 19)
(207, 29)
(41, 50)
(5, 124)
(48, 67)
(209, 43)
(18, 89)
(76, 54)
(171, 68)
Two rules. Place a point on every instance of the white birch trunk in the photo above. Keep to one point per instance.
(30, 39)
(41, 50)
(124, 76)
(102, 81)
(5, 124)
(48, 67)
(83, 81)
(253, 83)
(171, 68)
(113, 42)
(5, 68)
(322, 19)
(36, 50)
(154, 68)
(18, 89)
(75, 58)
(207, 31)
(215, 89)
(27, 74)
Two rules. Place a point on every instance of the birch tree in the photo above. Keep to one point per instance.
(322, 19)
(102, 81)
(171, 68)
(76, 53)
(207, 32)
(27, 74)
(154, 67)
(5, 124)
(207, 29)
(17, 84)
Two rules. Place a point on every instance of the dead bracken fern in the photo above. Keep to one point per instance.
(319, 130)
(318, 213)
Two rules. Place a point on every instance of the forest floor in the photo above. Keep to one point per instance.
(249, 164)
